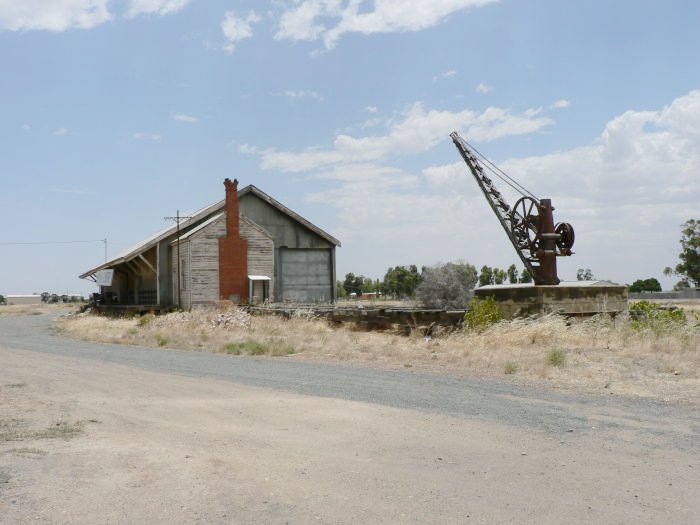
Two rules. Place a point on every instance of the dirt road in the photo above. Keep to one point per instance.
(105, 434)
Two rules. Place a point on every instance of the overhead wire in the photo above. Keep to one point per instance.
(498, 172)
(52, 242)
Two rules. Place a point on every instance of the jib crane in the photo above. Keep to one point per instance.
(529, 224)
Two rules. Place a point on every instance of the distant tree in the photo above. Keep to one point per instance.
(689, 266)
(367, 285)
(353, 283)
(646, 285)
(512, 274)
(340, 290)
(447, 286)
(54, 298)
(584, 275)
(45, 296)
(499, 276)
(401, 281)
(525, 276)
(486, 276)
(493, 275)
(2, 299)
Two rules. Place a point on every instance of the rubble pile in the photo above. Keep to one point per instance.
(234, 318)
(206, 318)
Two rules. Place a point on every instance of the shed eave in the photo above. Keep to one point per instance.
(154, 239)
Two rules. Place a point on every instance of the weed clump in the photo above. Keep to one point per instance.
(245, 347)
(162, 340)
(482, 313)
(510, 367)
(145, 319)
(556, 358)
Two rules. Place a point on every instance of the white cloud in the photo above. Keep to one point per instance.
(641, 157)
(247, 149)
(418, 131)
(182, 117)
(237, 28)
(147, 136)
(293, 95)
(52, 15)
(626, 193)
(445, 75)
(371, 109)
(331, 19)
(373, 122)
(560, 104)
(483, 88)
(61, 132)
(26, 127)
(155, 7)
(446, 174)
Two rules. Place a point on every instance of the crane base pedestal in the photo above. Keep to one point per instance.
(580, 298)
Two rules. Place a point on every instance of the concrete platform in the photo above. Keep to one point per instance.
(569, 298)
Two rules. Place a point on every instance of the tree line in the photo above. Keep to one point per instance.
(403, 282)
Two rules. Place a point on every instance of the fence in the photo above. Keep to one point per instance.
(690, 293)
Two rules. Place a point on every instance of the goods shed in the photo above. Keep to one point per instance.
(247, 248)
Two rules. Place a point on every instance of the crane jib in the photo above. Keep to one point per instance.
(529, 224)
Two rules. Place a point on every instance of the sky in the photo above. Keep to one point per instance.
(114, 114)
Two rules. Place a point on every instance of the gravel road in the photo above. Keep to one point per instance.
(323, 443)
(485, 399)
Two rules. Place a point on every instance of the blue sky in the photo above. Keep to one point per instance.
(115, 114)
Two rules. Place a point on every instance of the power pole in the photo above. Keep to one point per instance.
(177, 220)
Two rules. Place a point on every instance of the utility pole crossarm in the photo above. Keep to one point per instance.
(177, 220)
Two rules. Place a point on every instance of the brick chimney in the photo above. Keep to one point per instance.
(233, 251)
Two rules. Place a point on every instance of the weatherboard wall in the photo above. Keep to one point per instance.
(199, 261)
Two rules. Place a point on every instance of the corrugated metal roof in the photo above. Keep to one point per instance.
(154, 239)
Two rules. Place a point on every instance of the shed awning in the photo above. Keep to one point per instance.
(259, 278)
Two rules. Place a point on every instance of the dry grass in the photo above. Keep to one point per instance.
(34, 309)
(597, 354)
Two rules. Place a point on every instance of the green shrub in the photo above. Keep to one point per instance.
(510, 367)
(647, 315)
(162, 340)
(556, 358)
(245, 347)
(145, 319)
(232, 348)
(482, 313)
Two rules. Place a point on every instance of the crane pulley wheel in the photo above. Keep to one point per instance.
(525, 224)
(566, 237)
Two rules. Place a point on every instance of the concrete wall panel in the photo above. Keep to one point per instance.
(306, 275)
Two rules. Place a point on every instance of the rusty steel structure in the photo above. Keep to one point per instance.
(529, 224)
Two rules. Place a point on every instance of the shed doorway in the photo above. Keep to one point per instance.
(258, 289)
